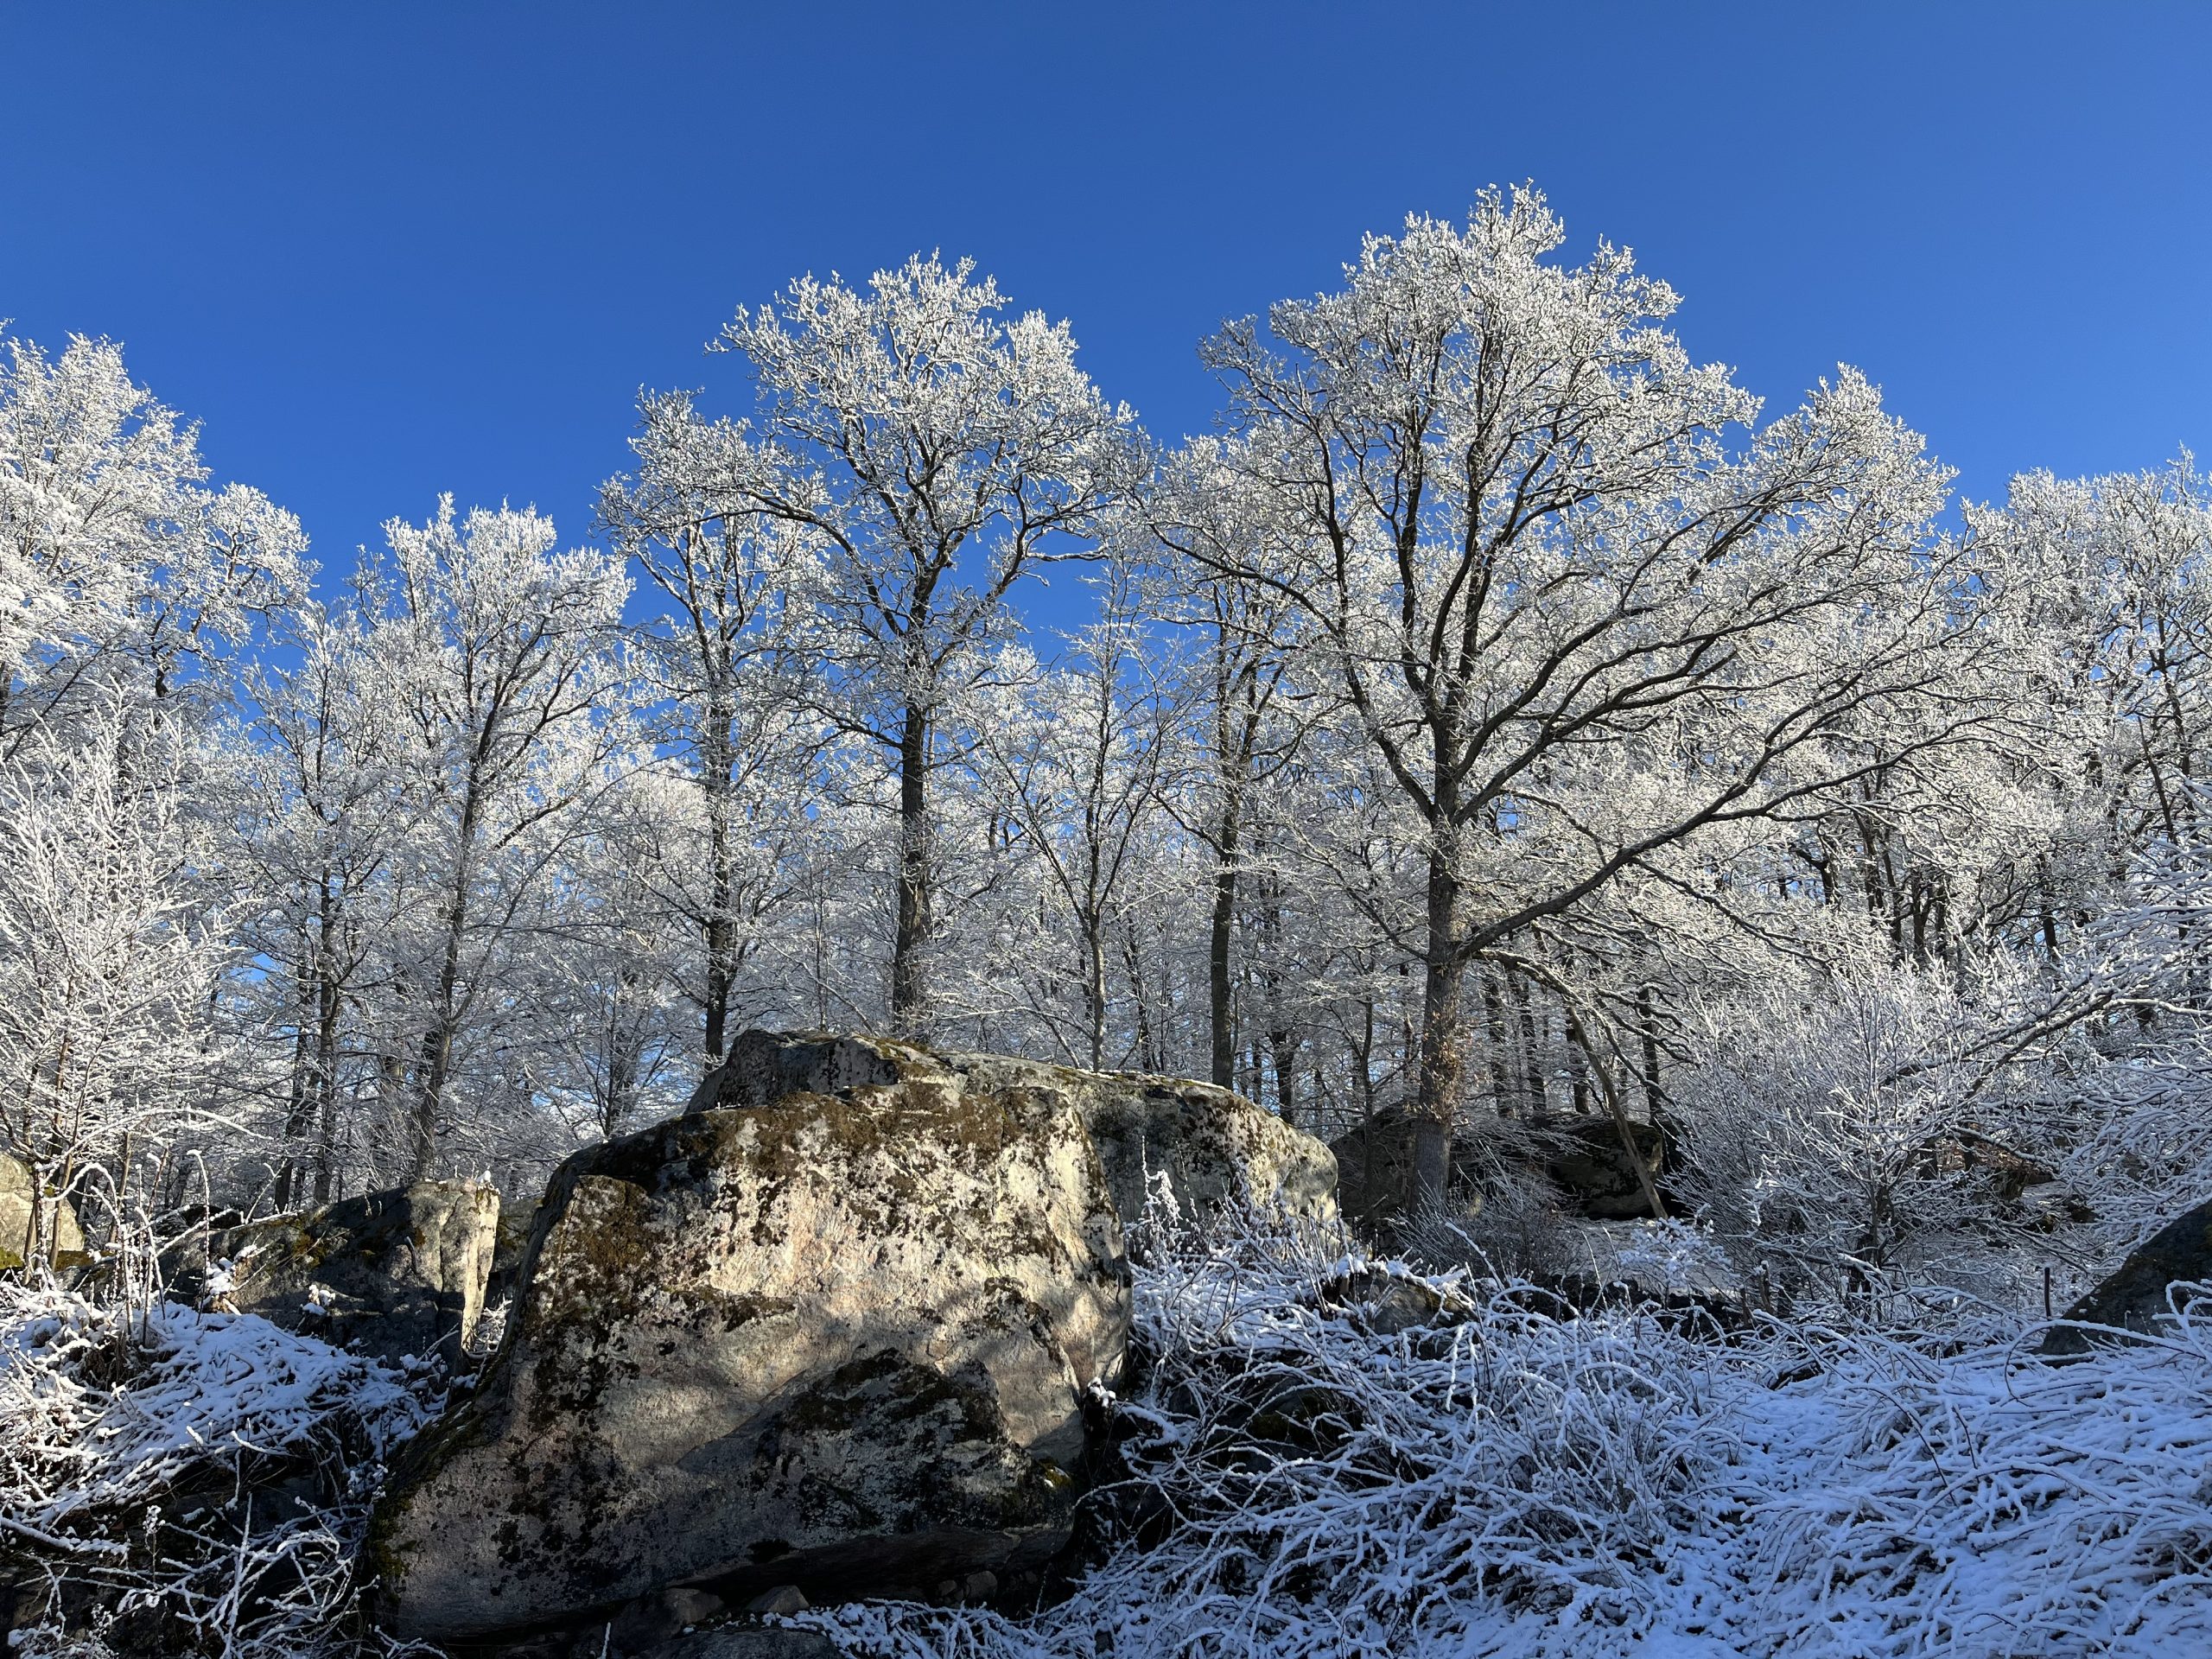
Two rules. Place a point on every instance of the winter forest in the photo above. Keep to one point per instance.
(1500, 740)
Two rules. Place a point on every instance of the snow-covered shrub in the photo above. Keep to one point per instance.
(1304, 1478)
(1308, 1476)
(1824, 1128)
(175, 1481)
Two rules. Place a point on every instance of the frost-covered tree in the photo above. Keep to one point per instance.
(732, 687)
(1209, 510)
(1579, 617)
(1074, 755)
(110, 959)
(932, 449)
(119, 567)
(499, 654)
(321, 800)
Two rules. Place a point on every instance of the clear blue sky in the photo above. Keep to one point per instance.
(383, 250)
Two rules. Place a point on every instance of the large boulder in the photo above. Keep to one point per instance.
(1376, 1164)
(840, 1337)
(1583, 1157)
(2134, 1298)
(1211, 1148)
(15, 1242)
(1587, 1161)
(394, 1273)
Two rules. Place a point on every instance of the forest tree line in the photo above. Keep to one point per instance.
(1498, 716)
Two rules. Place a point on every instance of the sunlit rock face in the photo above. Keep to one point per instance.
(836, 1333)
(57, 1218)
(1201, 1146)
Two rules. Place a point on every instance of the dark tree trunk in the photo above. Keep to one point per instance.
(1222, 993)
(299, 1097)
(910, 990)
(721, 929)
(1442, 1053)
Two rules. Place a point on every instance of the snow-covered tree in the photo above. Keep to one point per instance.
(119, 567)
(933, 449)
(1579, 620)
(1074, 754)
(110, 959)
(500, 654)
(732, 687)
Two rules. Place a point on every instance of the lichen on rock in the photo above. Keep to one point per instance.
(838, 1336)
(396, 1271)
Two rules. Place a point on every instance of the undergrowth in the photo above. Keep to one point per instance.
(184, 1482)
(1309, 1475)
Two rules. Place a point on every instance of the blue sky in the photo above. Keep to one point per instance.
(385, 250)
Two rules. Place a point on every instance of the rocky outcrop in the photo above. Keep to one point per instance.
(400, 1272)
(834, 1328)
(2006, 1173)
(1209, 1146)
(1582, 1157)
(1375, 1169)
(509, 1244)
(2135, 1297)
(1588, 1162)
(15, 1214)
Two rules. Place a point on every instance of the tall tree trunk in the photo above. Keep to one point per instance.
(1094, 987)
(720, 931)
(909, 989)
(1442, 1049)
(436, 1056)
(300, 1093)
(1222, 1007)
(1536, 1092)
(1504, 1084)
(325, 1083)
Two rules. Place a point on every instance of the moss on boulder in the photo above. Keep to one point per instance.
(833, 1327)
(396, 1271)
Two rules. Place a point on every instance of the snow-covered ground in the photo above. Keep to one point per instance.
(184, 1476)
(1313, 1476)
(1614, 1484)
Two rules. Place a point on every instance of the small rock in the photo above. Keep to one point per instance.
(780, 1603)
(641, 1624)
(2135, 1297)
(947, 1589)
(689, 1606)
(654, 1618)
(979, 1587)
(15, 1187)
(393, 1273)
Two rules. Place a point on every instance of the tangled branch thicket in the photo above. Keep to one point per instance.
(1320, 1452)
(175, 1481)
(1305, 1479)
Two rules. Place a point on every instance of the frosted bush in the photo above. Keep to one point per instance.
(200, 1480)
(1308, 1476)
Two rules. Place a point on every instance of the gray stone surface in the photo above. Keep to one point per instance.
(841, 1340)
(1213, 1147)
(2134, 1297)
(393, 1273)
(764, 1642)
(15, 1220)
(1583, 1157)
(1375, 1169)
